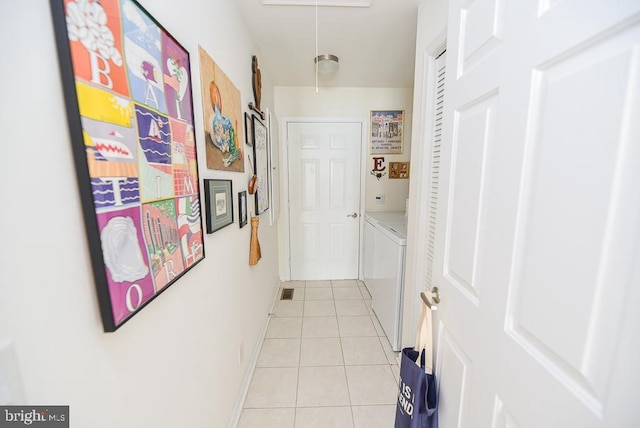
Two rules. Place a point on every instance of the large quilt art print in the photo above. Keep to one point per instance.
(127, 85)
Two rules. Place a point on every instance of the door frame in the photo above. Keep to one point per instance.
(418, 212)
(285, 225)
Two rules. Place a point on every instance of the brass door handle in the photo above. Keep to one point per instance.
(434, 301)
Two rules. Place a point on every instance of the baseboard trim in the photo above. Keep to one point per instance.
(244, 390)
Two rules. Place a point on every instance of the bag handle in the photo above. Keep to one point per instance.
(424, 338)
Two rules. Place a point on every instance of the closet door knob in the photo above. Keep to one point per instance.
(436, 295)
(354, 215)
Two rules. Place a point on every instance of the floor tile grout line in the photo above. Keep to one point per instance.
(323, 406)
(295, 413)
(344, 364)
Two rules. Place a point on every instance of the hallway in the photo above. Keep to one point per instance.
(325, 362)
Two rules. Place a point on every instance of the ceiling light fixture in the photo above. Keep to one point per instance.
(326, 64)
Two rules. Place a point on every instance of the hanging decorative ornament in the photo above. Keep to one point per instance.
(256, 82)
(253, 181)
(378, 167)
(255, 254)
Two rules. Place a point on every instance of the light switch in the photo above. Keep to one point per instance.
(380, 198)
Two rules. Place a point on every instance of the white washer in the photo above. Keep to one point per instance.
(385, 240)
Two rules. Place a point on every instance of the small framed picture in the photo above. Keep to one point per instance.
(398, 169)
(242, 208)
(219, 204)
(248, 129)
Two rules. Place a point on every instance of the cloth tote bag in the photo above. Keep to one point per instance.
(417, 395)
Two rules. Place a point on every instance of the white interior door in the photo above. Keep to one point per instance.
(537, 233)
(324, 199)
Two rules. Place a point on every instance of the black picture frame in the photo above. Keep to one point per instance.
(242, 209)
(219, 204)
(124, 124)
(248, 129)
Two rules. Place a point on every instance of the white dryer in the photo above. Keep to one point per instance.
(385, 240)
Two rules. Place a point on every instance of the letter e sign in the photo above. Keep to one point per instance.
(378, 164)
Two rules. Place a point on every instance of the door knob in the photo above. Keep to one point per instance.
(433, 301)
(436, 295)
(354, 215)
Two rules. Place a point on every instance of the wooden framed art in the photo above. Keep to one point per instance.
(222, 114)
(387, 132)
(219, 203)
(127, 87)
(399, 170)
(242, 208)
(261, 165)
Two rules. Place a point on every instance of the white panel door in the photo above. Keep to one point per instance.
(324, 193)
(538, 227)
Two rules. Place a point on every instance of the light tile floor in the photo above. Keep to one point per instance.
(325, 362)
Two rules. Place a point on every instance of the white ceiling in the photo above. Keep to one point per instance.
(376, 45)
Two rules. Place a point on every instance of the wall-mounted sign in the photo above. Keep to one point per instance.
(387, 130)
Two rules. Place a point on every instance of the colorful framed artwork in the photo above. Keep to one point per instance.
(127, 87)
(248, 131)
(223, 127)
(219, 203)
(399, 170)
(387, 132)
(261, 165)
(242, 208)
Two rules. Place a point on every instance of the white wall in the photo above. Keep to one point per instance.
(352, 103)
(177, 362)
(431, 30)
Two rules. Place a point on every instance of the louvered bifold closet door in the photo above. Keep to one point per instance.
(434, 176)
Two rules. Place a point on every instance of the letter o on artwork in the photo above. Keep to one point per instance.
(128, 302)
